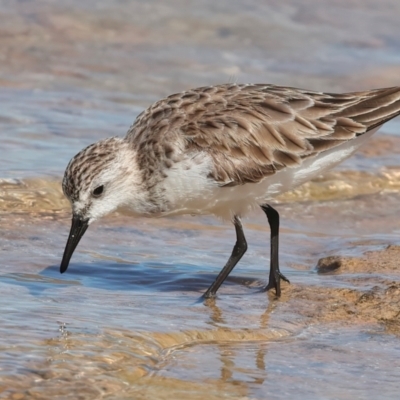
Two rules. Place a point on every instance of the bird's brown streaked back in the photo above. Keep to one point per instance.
(251, 131)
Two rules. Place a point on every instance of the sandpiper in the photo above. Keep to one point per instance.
(222, 150)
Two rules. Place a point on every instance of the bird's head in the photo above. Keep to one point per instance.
(96, 182)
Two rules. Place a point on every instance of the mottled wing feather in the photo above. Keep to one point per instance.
(252, 131)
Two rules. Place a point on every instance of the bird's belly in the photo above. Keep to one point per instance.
(241, 199)
(195, 194)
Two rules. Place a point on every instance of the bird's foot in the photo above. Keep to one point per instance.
(275, 283)
(209, 295)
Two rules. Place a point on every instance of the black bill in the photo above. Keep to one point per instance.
(78, 228)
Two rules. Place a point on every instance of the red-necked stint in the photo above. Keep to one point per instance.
(222, 150)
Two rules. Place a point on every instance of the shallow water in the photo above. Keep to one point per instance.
(127, 320)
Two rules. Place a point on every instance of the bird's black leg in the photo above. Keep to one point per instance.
(275, 275)
(237, 253)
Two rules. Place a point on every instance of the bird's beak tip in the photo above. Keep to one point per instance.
(78, 228)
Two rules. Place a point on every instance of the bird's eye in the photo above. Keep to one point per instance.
(98, 191)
